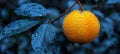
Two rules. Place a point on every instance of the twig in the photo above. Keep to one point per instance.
(63, 13)
(77, 1)
(80, 5)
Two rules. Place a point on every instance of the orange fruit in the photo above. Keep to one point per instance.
(81, 27)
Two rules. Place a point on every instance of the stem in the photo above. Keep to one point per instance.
(77, 1)
(63, 13)
(71, 6)
(80, 4)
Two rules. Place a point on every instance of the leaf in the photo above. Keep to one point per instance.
(4, 13)
(43, 38)
(51, 14)
(112, 2)
(7, 42)
(110, 42)
(88, 7)
(70, 2)
(17, 27)
(100, 50)
(31, 10)
(108, 27)
(96, 1)
(22, 1)
(115, 16)
(23, 42)
(84, 7)
(98, 13)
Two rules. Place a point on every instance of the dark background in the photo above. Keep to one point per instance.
(107, 11)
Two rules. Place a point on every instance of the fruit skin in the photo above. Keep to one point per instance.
(81, 27)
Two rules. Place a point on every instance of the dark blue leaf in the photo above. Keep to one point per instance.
(108, 27)
(4, 13)
(17, 27)
(23, 42)
(22, 1)
(38, 38)
(31, 10)
(110, 42)
(84, 7)
(96, 1)
(3, 47)
(9, 42)
(23, 52)
(6, 44)
(70, 2)
(88, 45)
(98, 13)
(109, 20)
(51, 14)
(43, 38)
(96, 41)
(112, 1)
(118, 27)
(100, 50)
(115, 16)
(87, 7)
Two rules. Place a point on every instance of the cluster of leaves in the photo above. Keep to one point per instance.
(42, 39)
(31, 33)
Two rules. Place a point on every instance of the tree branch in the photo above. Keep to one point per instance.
(77, 1)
